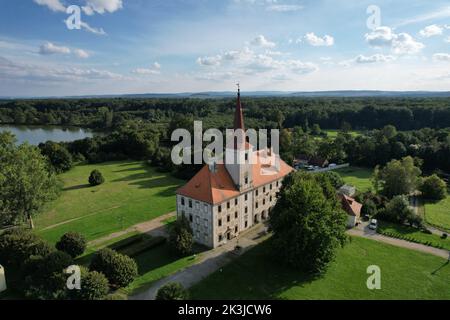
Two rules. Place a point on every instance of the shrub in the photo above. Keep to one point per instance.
(17, 245)
(72, 243)
(172, 291)
(119, 269)
(369, 208)
(444, 236)
(96, 178)
(94, 286)
(433, 188)
(180, 237)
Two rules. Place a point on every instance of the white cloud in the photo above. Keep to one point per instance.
(374, 58)
(284, 8)
(102, 6)
(316, 41)
(153, 70)
(54, 5)
(210, 61)
(80, 53)
(10, 70)
(441, 57)
(441, 13)
(447, 40)
(401, 43)
(432, 30)
(261, 41)
(49, 48)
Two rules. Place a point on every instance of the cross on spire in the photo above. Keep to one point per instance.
(239, 116)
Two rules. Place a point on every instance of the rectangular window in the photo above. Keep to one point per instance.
(236, 229)
(220, 238)
(236, 215)
(246, 224)
(191, 218)
(264, 189)
(246, 156)
(228, 218)
(271, 186)
(256, 204)
(236, 202)
(220, 208)
(278, 184)
(264, 202)
(246, 209)
(182, 201)
(228, 205)
(190, 203)
(257, 192)
(220, 222)
(246, 197)
(246, 181)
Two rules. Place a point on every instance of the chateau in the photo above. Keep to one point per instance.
(225, 199)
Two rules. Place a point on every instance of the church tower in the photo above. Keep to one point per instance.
(239, 152)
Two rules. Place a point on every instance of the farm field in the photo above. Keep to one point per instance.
(132, 193)
(405, 274)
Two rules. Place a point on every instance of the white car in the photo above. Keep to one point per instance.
(373, 224)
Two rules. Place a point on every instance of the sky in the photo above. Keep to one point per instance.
(168, 46)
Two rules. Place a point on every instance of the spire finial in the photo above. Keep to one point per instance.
(239, 87)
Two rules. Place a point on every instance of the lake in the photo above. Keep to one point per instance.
(37, 134)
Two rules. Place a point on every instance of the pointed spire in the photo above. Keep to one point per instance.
(239, 116)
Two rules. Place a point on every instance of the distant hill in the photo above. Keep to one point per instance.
(227, 94)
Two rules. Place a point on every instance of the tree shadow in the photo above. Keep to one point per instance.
(79, 187)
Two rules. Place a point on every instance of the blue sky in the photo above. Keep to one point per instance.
(140, 46)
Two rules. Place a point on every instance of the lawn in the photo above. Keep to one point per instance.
(334, 133)
(413, 234)
(156, 264)
(405, 274)
(133, 193)
(357, 177)
(438, 214)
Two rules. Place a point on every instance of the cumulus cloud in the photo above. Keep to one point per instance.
(261, 41)
(50, 48)
(401, 43)
(80, 53)
(432, 30)
(54, 5)
(153, 70)
(210, 61)
(312, 39)
(441, 57)
(374, 58)
(102, 6)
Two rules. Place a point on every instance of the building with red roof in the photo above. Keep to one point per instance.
(224, 199)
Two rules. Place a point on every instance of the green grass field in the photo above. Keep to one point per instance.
(133, 193)
(334, 133)
(399, 231)
(357, 177)
(438, 213)
(405, 274)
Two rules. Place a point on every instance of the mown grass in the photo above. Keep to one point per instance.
(132, 193)
(357, 177)
(438, 214)
(405, 274)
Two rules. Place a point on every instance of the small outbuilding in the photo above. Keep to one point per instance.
(353, 209)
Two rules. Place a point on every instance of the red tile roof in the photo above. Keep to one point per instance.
(215, 188)
(351, 205)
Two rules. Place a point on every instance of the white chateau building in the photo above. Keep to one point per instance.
(225, 199)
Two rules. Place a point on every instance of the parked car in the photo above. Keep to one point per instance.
(332, 165)
(373, 224)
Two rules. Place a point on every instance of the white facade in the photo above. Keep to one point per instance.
(214, 225)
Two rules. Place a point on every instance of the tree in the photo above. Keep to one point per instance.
(369, 208)
(334, 178)
(397, 177)
(315, 131)
(17, 245)
(72, 243)
(94, 286)
(172, 291)
(26, 182)
(119, 269)
(433, 188)
(180, 237)
(96, 178)
(398, 210)
(308, 223)
(58, 155)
